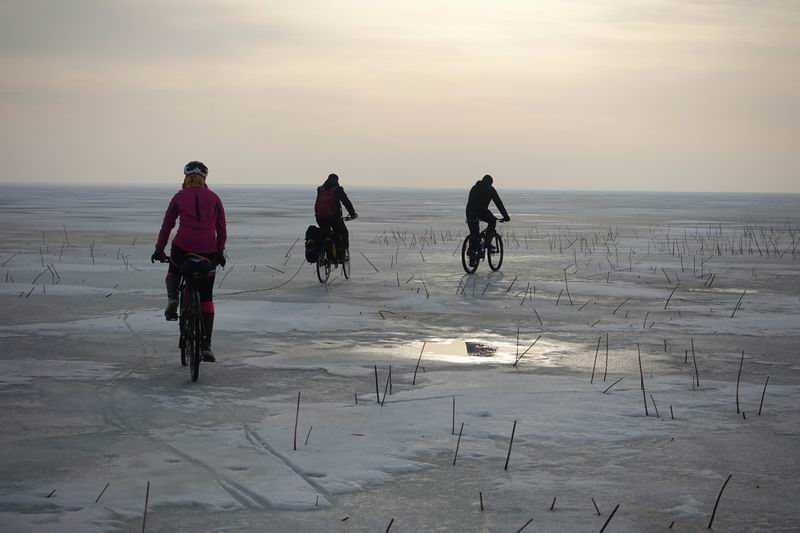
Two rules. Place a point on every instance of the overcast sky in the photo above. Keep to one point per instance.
(601, 94)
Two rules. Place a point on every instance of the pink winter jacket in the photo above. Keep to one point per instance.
(202, 227)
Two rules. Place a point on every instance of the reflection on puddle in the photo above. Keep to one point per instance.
(479, 349)
(456, 351)
(461, 349)
(498, 351)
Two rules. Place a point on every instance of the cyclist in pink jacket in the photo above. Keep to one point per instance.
(202, 232)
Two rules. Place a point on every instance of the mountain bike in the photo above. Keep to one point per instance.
(190, 318)
(492, 251)
(330, 257)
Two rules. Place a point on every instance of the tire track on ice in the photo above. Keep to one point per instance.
(263, 447)
(109, 386)
(112, 416)
(246, 497)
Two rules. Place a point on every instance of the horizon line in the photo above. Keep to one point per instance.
(354, 185)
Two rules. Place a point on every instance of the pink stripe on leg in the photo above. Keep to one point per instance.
(207, 307)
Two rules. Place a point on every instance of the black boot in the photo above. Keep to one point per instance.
(171, 312)
(208, 328)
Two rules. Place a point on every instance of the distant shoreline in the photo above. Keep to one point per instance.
(168, 186)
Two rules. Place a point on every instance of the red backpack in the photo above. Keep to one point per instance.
(325, 208)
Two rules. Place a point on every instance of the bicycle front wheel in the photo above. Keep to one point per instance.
(465, 259)
(495, 253)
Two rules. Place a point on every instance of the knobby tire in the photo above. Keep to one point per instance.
(346, 265)
(196, 337)
(496, 259)
(465, 257)
(323, 265)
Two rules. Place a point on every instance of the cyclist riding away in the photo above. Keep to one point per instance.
(328, 209)
(202, 231)
(481, 194)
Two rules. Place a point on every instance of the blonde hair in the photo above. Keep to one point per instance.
(194, 180)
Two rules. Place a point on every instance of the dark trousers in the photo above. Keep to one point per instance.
(337, 227)
(473, 222)
(206, 288)
(206, 291)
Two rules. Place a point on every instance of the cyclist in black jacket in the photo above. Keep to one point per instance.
(481, 194)
(328, 209)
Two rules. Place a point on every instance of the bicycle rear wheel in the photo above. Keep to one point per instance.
(465, 259)
(182, 341)
(195, 341)
(182, 344)
(323, 264)
(346, 265)
(495, 257)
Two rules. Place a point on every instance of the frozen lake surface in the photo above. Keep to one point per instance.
(95, 404)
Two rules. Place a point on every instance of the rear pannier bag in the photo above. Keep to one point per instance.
(312, 244)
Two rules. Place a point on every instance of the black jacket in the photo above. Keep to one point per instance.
(480, 196)
(341, 198)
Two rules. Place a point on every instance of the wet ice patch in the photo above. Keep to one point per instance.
(23, 371)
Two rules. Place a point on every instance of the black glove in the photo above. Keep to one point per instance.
(219, 258)
(159, 256)
(506, 218)
(353, 216)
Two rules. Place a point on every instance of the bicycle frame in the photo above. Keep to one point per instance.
(191, 324)
(481, 251)
(330, 257)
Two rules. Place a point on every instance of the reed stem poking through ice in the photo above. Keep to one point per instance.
(453, 429)
(609, 387)
(526, 525)
(146, 501)
(760, 405)
(609, 519)
(414, 381)
(670, 295)
(738, 379)
(296, 418)
(655, 406)
(714, 512)
(510, 444)
(377, 390)
(739, 303)
(370, 262)
(696, 373)
(458, 443)
(641, 377)
(386, 388)
(102, 492)
(527, 350)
